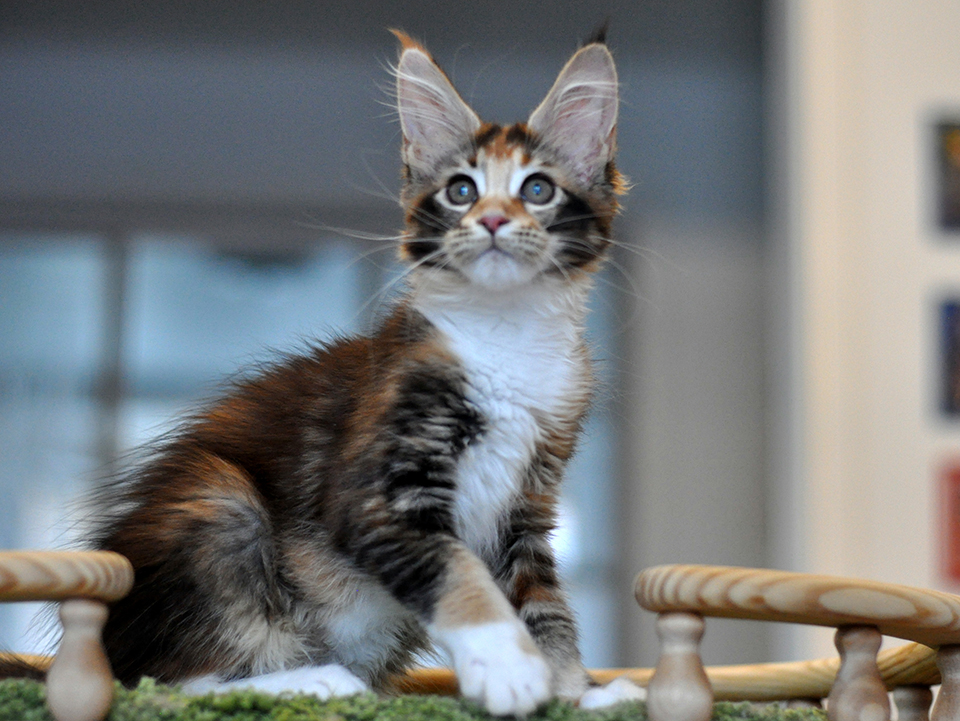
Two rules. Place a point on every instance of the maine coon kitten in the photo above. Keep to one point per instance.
(345, 508)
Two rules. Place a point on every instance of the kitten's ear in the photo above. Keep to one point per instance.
(579, 115)
(434, 118)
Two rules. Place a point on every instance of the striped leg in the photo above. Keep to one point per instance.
(528, 575)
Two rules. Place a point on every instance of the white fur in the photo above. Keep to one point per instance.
(364, 629)
(619, 690)
(321, 681)
(494, 668)
(519, 348)
(498, 270)
(270, 645)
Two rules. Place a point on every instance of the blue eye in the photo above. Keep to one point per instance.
(537, 189)
(461, 190)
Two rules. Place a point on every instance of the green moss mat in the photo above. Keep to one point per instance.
(22, 700)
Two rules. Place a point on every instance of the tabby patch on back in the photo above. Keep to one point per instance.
(340, 511)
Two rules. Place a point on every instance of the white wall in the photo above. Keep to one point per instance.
(860, 85)
(694, 417)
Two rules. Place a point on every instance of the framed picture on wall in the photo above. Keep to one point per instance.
(948, 168)
(949, 376)
(950, 522)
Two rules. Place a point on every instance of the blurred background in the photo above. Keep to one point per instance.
(187, 189)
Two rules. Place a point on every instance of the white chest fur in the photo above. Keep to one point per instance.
(522, 357)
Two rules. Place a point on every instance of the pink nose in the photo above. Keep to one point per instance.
(492, 222)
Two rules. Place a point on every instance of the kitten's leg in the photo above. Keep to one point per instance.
(321, 681)
(206, 584)
(529, 573)
(496, 660)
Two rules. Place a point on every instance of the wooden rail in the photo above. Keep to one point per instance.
(79, 680)
(856, 684)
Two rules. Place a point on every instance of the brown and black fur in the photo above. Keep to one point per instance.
(325, 451)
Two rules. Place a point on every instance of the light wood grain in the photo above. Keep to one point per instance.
(58, 575)
(904, 665)
(911, 663)
(41, 663)
(928, 617)
(426, 681)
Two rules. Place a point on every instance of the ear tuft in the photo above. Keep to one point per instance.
(599, 36)
(406, 42)
(434, 118)
(578, 118)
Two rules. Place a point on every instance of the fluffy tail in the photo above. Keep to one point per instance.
(16, 666)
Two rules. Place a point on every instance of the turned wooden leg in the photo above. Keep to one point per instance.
(80, 682)
(679, 689)
(913, 703)
(858, 693)
(947, 705)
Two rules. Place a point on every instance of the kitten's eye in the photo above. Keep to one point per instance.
(537, 189)
(461, 190)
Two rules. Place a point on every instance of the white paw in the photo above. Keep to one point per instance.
(321, 681)
(620, 689)
(498, 665)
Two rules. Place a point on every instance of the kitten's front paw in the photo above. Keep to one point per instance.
(324, 682)
(498, 665)
(620, 689)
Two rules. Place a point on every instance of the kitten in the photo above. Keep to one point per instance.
(346, 508)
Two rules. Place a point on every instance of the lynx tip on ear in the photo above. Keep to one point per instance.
(598, 36)
(407, 42)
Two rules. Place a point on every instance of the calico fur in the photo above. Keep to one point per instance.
(347, 507)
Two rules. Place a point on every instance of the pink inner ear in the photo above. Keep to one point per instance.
(581, 129)
(416, 105)
(580, 107)
(578, 116)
